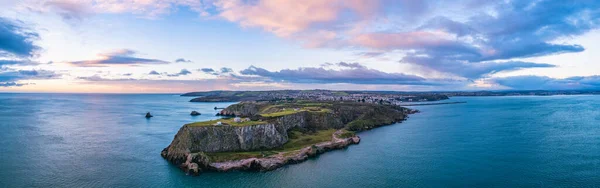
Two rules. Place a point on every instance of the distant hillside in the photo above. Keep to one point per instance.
(387, 97)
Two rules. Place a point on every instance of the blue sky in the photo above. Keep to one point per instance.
(194, 45)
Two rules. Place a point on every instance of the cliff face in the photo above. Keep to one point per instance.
(191, 139)
(188, 147)
(276, 161)
(244, 109)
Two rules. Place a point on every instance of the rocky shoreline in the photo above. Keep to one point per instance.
(192, 166)
(287, 133)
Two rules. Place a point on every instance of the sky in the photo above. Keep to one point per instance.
(174, 46)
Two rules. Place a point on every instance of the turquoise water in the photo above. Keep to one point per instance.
(93, 140)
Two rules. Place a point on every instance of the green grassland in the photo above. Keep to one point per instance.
(228, 121)
(297, 140)
(290, 110)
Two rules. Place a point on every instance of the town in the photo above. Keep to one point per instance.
(375, 97)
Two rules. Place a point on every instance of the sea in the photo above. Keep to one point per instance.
(103, 140)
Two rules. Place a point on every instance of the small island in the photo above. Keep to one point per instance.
(265, 135)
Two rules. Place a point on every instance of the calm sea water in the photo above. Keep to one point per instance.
(93, 140)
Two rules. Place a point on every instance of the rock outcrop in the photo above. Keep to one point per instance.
(195, 113)
(192, 139)
(244, 109)
(191, 142)
(228, 138)
(195, 163)
(276, 161)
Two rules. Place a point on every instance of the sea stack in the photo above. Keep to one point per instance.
(148, 115)
(195, 113)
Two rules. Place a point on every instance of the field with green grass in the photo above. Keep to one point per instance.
(228, 121)
(297, 140)
(289, 111)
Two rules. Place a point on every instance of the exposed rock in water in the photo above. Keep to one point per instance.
(195, 113)
(148, 115)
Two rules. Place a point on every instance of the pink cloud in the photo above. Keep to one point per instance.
(405, 40)
(285, 18)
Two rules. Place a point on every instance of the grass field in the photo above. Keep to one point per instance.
(228, 121)
(289, 111)
(297, 140)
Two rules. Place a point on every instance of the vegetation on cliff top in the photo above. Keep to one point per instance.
(298, 140)
(320, 120)
(289, 111)
(227, 121)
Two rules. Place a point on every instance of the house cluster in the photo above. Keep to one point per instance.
(364, 97)
(357, 97)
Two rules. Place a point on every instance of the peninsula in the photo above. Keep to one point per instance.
(265, 135)
(379, 97)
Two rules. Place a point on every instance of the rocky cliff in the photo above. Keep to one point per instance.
(190, 144)
(228, 138)
(276, 161)
(244, 109)
(191, 139)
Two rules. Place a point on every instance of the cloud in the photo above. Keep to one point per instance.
(10, 78)
(79, 9)
(465, 38)
(92, 78)
(547, 83)
(180, 73)
(484, 31)
(226, 70)
(223, 71)
(98, 78)
(16, 62)
(473, 44)
(404, 40)
(447, 25)
(350, 73)
(206, 70)
(351, 65)
(181, 60)
(69, 9)
(11, 84)
(370, 54)
(287, 17)
(470, 70)
(15, 75)
(16, 41)
(118, 57)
